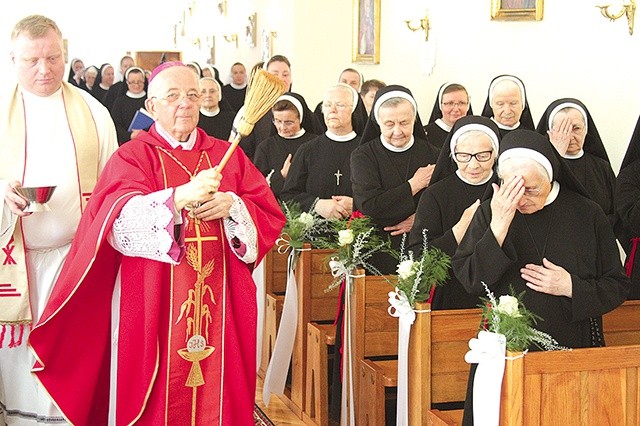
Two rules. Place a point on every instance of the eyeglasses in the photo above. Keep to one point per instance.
(136, 82)
(287, 123)
(176, 97)
(452, 104)
(339, 106)
(532, 192)
(465, 157)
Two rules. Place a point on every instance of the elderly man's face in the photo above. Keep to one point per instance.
(39, 62)
(506, 103)
(175, 101)
(578, 129)
(396, 123)
(536, 183)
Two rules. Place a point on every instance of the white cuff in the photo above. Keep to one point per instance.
(240, 225)
(140, 230)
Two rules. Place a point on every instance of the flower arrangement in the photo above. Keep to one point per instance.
(300, 226)
(416, 277)
(355, 240)
(509, 317)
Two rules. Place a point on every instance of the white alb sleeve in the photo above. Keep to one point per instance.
(241, 227)
(142, 227)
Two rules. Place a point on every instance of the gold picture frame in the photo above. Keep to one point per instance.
(517, 10)
(366, 32)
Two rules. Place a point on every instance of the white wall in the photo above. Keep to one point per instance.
(572, 52)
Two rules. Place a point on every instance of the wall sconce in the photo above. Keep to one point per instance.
(231, 38)
(628, 8)
(419, 24)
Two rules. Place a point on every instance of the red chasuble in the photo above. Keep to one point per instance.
(186, 341)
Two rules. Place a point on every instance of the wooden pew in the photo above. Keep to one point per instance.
(437, 370)
(380, 333)
(439, 340)
(275, 283)
(594, 386)
(621, 327)
(313, 277)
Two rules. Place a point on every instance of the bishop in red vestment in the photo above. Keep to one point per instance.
(177, 241)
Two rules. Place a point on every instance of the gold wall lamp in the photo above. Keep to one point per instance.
(232, 38)
(419, 24)
(628, 8)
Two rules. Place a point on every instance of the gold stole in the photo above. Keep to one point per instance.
(198, 300)
(14, 283)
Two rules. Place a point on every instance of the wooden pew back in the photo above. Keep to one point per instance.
(594, 386)
(622, 325)
(313, 277)
(275, 271)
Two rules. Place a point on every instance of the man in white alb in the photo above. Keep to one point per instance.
(51, 133)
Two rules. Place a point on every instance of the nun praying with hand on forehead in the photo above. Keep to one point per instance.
(572, 131)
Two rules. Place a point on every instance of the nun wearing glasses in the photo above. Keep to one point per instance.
(461, 180)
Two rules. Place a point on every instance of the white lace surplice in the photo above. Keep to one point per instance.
(144, 228)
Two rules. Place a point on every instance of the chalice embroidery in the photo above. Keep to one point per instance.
(197, 314)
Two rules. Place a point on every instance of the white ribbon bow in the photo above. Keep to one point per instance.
(338, 269)
(488, 351)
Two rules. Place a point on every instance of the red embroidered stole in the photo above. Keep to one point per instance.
(192, 356)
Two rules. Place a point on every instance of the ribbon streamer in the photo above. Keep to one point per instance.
(401, 308)
(347, 412)
(488, 351)
(276, 376)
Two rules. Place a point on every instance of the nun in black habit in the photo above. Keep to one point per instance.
(296, 126)
(627, 203)
(391, 168)
(216, 115)
(126, 105)
(75, 72)
(569, 126)
(542, 236)
(505, 107)
(462, 178)
(454, 99)
(320, 169)
(100, 88)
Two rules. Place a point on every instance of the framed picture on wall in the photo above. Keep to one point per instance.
(516, 10)
(366, 32)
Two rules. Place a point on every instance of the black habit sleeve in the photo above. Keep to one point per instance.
(388, 206)
(295, 186)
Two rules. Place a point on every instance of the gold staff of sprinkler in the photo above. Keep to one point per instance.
(263, 91)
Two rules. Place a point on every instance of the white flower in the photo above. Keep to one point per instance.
(508, 305)
(306, 219)
(405, 269)
(345, 237)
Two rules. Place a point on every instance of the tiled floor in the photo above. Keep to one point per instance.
(277, 411)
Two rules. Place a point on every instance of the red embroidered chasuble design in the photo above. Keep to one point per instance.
(189, 384)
